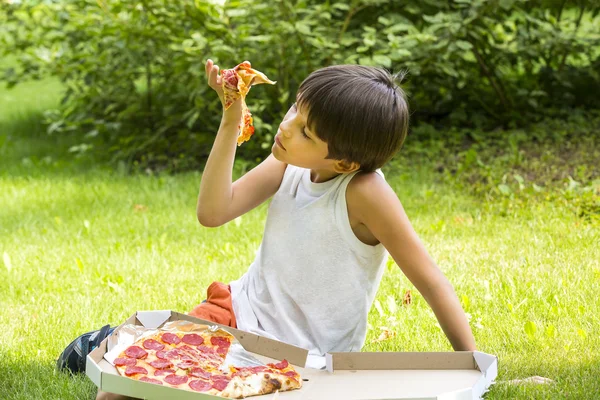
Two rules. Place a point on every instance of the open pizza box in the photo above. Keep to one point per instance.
(365, 376)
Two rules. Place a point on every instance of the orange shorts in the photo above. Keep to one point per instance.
(217, 307)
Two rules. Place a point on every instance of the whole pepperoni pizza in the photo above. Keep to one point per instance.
(192, 361)
(236, 83)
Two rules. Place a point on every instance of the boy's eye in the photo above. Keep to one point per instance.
(295, 108)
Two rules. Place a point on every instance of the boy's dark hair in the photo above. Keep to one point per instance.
(359, 111)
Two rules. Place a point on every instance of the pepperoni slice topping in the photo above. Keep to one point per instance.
(246, 371)
(282, 365)
(198, 372)
(161, 364)
(172, 354)
(136, 352)
(170, 338)
(200, 386)
(119, 362)
(222, 350)
(207, 352)
(193, 339)
(176, 379)
(186, 364)
(150, 380)
(160, 372)
(220, 341)
(189, 351)
(152, 344)
(161, 354)
(132, 370)
(220, 382)
(291, 374)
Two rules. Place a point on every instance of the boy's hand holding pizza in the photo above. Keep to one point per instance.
(215, 81)
(232, 86)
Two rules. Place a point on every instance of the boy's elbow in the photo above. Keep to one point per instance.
(208, 220)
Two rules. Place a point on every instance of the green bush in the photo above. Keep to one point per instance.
(134, 71)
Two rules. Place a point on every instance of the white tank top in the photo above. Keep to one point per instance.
(313, 281)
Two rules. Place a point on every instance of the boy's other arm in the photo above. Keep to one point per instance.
(374, 204)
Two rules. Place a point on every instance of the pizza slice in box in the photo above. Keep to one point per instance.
(236, 83)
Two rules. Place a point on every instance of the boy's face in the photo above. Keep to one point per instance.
(296, 144)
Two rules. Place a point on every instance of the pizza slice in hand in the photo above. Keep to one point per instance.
(236, 84)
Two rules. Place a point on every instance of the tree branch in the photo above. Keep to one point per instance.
(351, 13)
(566, 53)
(298, 36)
(488, 74)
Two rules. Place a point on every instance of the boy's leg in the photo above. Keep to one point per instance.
(111, 396)
(217, 307)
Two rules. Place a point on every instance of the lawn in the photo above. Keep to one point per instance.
(83, 245)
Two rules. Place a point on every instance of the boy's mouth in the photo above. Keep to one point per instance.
(278, 141)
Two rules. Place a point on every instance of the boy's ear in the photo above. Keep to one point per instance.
(345, 167)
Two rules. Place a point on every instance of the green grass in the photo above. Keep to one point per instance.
(86, 245)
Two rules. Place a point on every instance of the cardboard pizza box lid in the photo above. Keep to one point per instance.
(364, 376)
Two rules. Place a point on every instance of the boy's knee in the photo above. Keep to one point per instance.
(111, 396)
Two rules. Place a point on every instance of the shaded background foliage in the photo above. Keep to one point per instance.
(134, 71)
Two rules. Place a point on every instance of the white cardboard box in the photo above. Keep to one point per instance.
(348, 376)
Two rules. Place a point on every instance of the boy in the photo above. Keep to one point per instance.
(332, 220)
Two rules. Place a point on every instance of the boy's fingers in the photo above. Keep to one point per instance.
(214, 75)
(208, 67)
(211, 76)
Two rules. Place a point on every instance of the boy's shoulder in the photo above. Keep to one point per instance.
(367, 190)
(366, 181)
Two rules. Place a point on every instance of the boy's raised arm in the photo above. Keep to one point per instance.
(220, 201)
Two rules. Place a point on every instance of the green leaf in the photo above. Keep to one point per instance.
(369, 42)
(530, 329)
(190, 122)
(237, 12)
(382, 60)
(434, 19)
(303, 28)
(551, 331)
(7, 262)
(504, 189)
(463, 45)
(391, 304)
(401, 27)
(379, 308)
(79, 264)
(341, 6)
(384, 21)
(399, 54)
(259, 38)
(465, 300)
(365, 61)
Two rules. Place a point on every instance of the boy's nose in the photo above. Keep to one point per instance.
(284, 132)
